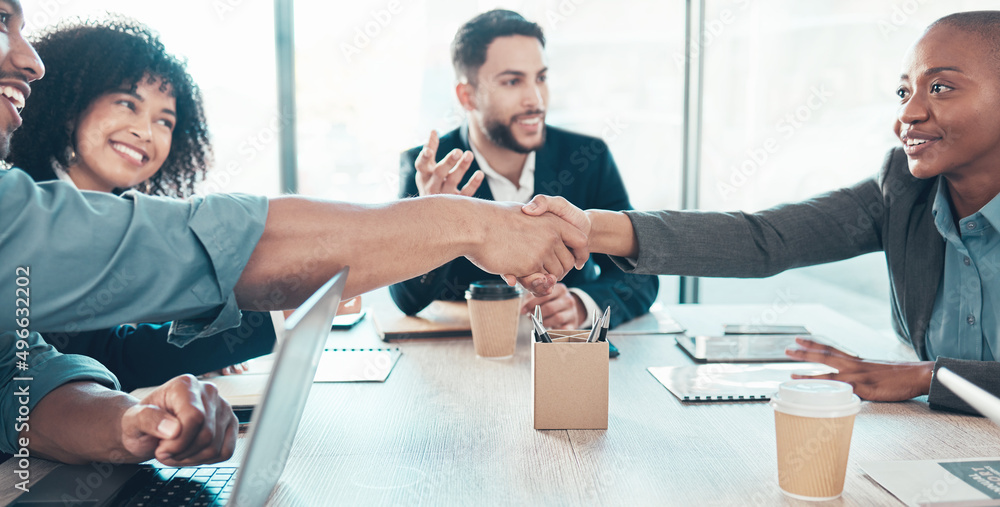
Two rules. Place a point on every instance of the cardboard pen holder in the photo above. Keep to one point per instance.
(569, 382)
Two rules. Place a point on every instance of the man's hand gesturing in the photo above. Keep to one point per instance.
(443, 177)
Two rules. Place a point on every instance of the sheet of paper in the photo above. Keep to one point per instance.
(356, 365)
(335, 365)
(731, 382)
(242, 390)
(966, 482)
(653, 323)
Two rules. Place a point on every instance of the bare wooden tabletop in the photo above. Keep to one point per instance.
(448, 428)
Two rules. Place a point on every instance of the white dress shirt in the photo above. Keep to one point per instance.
(505, 190)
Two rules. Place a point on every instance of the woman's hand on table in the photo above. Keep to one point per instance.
(872, 380)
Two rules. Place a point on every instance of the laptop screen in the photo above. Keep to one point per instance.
(276, 419)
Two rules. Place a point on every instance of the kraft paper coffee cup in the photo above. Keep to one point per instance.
(494, 310)
(813, 422)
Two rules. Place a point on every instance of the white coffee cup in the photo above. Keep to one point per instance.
(813, 422)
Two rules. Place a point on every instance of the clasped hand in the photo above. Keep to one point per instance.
(539, 283)
(535, 244)
(536, 252)
(184, 422)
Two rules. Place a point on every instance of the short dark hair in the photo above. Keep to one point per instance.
(983, 24)
(87, 59)
(468, 49)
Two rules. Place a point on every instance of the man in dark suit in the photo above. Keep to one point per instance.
(500, 65)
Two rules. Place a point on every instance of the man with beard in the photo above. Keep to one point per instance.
(74, 261)
(500, 66)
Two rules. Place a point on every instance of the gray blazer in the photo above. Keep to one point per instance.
(890, 212)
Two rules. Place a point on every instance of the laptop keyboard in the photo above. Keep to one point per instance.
(189, 486)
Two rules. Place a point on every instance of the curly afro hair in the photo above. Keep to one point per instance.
(87, 59)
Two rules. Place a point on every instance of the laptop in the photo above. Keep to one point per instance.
(977, 397)
(272, 432)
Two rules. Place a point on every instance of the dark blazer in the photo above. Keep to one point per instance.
(890, 212)
(574, 166)
(140, 355)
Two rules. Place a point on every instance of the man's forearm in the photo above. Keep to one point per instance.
(305, 242)
(92, 432)
(612, 233)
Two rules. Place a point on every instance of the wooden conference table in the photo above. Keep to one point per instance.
(448, 428)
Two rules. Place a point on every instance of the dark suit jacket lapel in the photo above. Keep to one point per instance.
(484, 191)
(923, 269)
(546, 164)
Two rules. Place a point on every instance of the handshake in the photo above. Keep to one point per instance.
(535, 244)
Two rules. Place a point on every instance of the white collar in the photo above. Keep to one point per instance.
(502, 188)
(62, 174)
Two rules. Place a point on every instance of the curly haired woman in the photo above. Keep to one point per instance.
(111, 124)
(134, 121)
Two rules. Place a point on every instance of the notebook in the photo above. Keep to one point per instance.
(272, 432)
(441, 319)
(970, 482)
(731, 382)
(965, 482)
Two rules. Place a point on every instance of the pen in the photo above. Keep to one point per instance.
(594, 328)
(540, 333)
(605, 324)
(538, 313)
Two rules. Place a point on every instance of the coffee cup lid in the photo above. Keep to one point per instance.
(816, 398)
(491, 290)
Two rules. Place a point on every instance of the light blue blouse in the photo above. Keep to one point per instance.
(964, 322)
